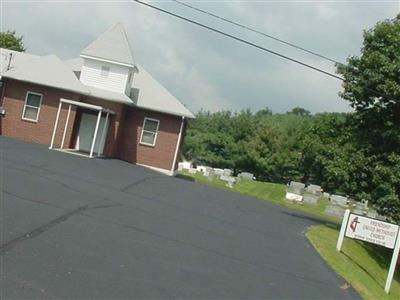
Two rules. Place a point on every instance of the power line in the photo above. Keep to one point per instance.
(256, 31)
(257, 46)
(239, 39)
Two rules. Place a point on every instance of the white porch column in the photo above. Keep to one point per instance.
(66, 126)
(95, 134)
(177, 145)
(55, 126)
(103, 133)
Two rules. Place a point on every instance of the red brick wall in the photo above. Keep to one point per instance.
(159, 156)
(125, 126)
(42, 130)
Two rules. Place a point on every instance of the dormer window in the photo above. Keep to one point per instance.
(105, 70)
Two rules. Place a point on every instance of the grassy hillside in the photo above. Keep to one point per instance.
(364, 266)
(267, 191)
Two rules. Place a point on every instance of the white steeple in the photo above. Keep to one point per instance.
(112, 45)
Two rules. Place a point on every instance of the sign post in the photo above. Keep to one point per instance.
(373, 231)
(393, 264)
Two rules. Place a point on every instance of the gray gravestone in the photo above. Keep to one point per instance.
(314, 189)
(339, 200)
(207, 171)
(228, 172)
(372, 214)
(211, 175)
(334, 210)
(359, 212)
(246, 175)
(310, 198)
(218, 172)
(296, 188)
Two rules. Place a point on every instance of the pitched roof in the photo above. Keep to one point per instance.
(17, 59)
(148, 93)
(112, 45)
(109, 95)
(45, 70)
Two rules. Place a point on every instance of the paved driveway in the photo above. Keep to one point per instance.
(83, 228)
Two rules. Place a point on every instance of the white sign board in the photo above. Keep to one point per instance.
(374, 231)
(371, 230)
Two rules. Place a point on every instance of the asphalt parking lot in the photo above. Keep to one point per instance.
(79, 228)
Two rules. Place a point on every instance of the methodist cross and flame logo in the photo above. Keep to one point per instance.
(354, 223)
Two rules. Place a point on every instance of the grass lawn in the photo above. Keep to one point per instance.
(363, 265)
(272, 192)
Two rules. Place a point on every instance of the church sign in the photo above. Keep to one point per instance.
(373, 231)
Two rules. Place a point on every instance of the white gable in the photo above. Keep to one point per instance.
(103, 75)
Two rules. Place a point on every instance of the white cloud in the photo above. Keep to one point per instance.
(206, 70)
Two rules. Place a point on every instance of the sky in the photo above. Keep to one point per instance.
(205, 70)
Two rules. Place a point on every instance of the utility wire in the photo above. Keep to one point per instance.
(255, 45)
(240, 40)
(256, 31)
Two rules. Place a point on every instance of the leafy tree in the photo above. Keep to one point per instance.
(10, 40)
(300, 111)
(372, 86)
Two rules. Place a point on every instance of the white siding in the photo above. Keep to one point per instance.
(115, 81)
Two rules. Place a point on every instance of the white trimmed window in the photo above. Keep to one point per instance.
(149, 131)
(32, 106)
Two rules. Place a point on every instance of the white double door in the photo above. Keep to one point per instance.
(86, 133)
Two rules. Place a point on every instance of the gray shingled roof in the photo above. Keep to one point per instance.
(148, 93)
(44, 70)
(17, 59)
(112, 45)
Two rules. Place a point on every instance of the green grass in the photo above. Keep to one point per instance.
(363, 265)
(271, 192)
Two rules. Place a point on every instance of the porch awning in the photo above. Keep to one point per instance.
(71, 103)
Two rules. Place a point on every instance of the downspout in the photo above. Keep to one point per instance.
(177, 146)
(3, 88)
(2, 111)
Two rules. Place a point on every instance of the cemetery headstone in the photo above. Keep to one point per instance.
(335, 211)
(339, 200)
(296, 187)
(359, 211)
(246, 175)
(211, 175)
(314, 189)
(201, 169)
(310, 198)
(207, 171)
(218, 172)
(228, 172)
(372, 214)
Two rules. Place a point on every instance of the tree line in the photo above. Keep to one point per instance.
(356, 154)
